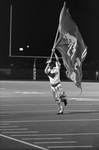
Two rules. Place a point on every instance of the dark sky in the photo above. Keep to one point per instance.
(35, 22)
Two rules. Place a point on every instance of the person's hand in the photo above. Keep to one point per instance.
(53, 49)
(56, 56)
(49, 61)
(59, 63)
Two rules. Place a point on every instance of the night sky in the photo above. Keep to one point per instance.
(35, 22)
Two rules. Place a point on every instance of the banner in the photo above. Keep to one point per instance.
(71, 46)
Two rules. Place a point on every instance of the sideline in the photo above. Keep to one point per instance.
(35, 121)
(23, 142)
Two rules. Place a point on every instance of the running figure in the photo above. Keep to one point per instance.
(53, 72)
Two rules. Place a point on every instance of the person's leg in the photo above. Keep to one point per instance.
(57, 100)
(63, 98)
(60, 108)
(62, 95)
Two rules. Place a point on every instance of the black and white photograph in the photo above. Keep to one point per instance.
(49, 74)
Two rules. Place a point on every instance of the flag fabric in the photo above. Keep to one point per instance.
(71, 46)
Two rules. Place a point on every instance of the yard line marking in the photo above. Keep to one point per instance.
(23, 142)
(8, 126)
(33, 93)
(78, 146)
(10, 100)
(55, 138)
(39, 111)
(9, 94)
(24, 111)
(85, 99)
(67, 134)
(3, 115)
(55, 142)
(4, 105)
(27, 92)
(11, 105)
(17, 92)
(69, 120)
(4, 124)
(13, 135)
(22, 132)
(15, 129)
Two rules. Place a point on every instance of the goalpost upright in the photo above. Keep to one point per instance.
(10, 37)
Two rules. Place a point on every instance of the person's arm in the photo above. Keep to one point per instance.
(58, 65)
(53, 50)
(57, 60)
(47, 67)
(56, 56)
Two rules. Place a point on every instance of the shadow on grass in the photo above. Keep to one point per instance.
(84, 112)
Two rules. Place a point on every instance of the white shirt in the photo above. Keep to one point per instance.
(54, 74)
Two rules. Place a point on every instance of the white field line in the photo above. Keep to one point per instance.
(67, 134)
(40, 111)
(3, 115)
(12, 105)
(52, 138)
(69, 120)
(85, 99)
(8, 126)
(14, 94)
(55, 142)
(14, 129)
(78, 146)
(21, 132)
(13, 99)
(25, 111)
(28, 92)
(23, 142)
(4, 124)
(25, 105)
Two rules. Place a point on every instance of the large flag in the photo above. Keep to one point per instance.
(71, 46)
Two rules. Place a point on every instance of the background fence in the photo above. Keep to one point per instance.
(33, 69)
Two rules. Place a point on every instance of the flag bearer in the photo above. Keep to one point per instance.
(53, 72)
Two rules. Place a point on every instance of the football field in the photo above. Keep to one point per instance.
(29, 120)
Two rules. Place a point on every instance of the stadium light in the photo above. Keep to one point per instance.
(27, 46)
(20, 49)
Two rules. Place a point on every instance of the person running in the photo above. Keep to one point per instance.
(53, 72)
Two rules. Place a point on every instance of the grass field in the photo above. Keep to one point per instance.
(29, 120)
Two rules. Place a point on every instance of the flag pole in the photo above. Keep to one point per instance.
(56, 37)
(54, 42)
